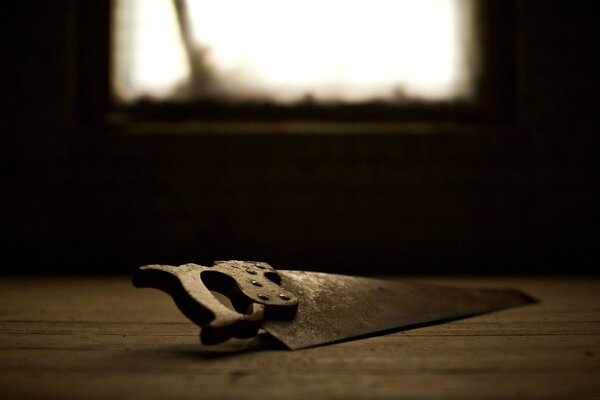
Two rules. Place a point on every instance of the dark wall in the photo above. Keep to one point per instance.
(514, 198)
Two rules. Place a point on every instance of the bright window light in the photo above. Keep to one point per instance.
(347, 51)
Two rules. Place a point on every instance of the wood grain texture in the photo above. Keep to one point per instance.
(100, 338)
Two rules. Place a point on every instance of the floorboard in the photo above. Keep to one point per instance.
(98, 338)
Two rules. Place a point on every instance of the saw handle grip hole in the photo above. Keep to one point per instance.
(226, 290)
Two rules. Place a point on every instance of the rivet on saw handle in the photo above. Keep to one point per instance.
(252, 287)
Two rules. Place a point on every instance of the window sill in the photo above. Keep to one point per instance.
(294, 128)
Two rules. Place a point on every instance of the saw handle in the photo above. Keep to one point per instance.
(252, 290)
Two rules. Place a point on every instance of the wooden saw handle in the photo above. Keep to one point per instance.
(253, 288)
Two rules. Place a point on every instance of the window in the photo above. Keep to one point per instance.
(333, 51)
(331, 60)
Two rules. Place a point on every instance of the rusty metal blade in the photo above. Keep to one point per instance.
(334, 308)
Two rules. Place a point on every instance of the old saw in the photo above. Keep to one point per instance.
(304, 309)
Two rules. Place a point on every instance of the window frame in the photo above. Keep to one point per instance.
(494, 101)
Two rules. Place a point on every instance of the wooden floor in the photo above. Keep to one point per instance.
(101, 338)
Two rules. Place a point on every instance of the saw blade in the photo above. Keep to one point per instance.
(335, 308)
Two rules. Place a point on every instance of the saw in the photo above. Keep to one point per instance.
(234, 299)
